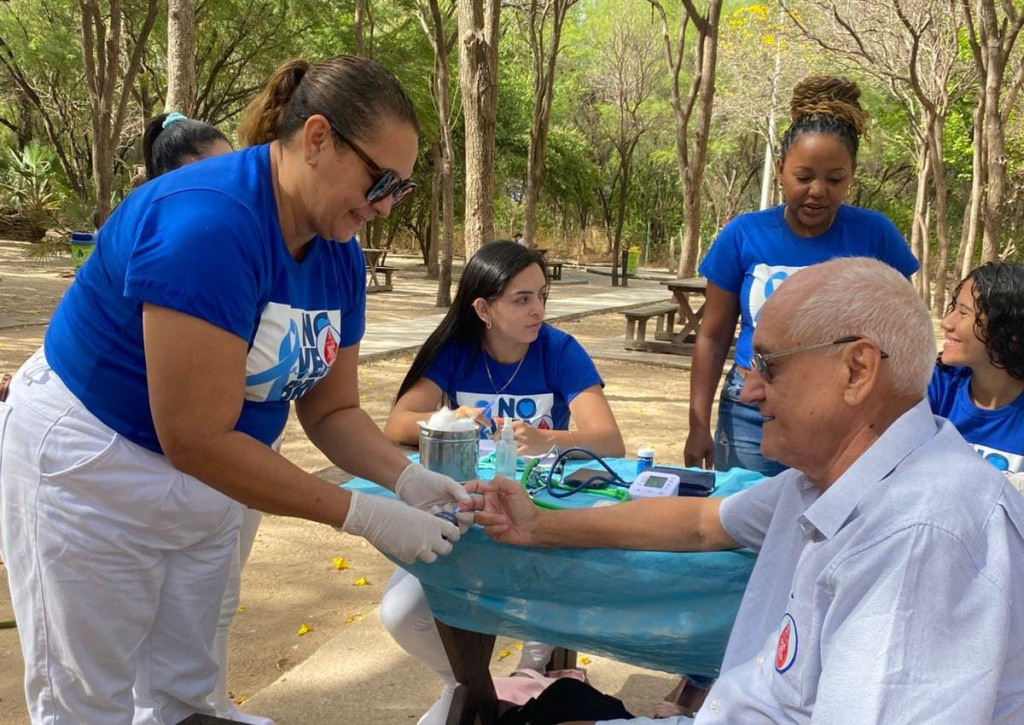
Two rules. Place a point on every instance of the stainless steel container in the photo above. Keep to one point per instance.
(453, 453)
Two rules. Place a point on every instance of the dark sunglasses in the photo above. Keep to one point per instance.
(388, 182)
(759, 362)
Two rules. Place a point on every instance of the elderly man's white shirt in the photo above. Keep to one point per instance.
(897, 596)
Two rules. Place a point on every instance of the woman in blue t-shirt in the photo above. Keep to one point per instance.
(492, 356)
(215, 296)
(978, 383)
(756, 252)
(493, 353)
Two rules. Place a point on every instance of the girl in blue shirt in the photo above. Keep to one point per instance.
(978, 383)
(756, 252)
(493, 352)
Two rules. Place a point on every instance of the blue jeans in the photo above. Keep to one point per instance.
(738, 433)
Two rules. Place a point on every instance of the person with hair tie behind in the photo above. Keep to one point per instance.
(757, 251)
(217, 294)
(753, 255)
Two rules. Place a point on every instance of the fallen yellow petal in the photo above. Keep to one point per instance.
(354, 618)
(360, 582)
(340, 563)
(518, 646)
(503, 654)
(241, 607)
(584, 660)
(304, 629)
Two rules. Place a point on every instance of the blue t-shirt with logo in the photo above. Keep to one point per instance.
(756, 252)
(997, 435)
(205, 240)
(555, 370)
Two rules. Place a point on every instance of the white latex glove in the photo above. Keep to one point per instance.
(400, 530)
(425, 489)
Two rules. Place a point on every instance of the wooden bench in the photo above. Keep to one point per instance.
(374, 284)
(554, 269)
(664, 314)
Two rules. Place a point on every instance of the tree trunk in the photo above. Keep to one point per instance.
(919, 228)
(101, 50)
(434, 225)
(544, 90)
(995, 145)
(478, 76)
(433, 22)
(704, 83)
(979, 164)
(181, 57)
(935, 148)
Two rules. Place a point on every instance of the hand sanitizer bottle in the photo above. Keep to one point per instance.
(505, 452)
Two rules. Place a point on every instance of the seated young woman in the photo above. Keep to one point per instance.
(978, 383)
(493, 350)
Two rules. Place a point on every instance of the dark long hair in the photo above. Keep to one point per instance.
(165, 148)
(998, 313)
(486, 275)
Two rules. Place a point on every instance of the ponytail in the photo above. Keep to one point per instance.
(262, 119)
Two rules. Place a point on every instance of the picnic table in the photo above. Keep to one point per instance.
(375, 269)
(670, 611)
(666, 337)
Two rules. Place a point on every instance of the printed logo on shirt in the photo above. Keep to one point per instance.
(1006, 462)
(785, 650)
(766, 279)
(292, 351)
(534, 409)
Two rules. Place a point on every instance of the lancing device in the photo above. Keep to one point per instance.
(448, 516)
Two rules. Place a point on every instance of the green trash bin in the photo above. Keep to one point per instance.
(632, 261)
(82, 244)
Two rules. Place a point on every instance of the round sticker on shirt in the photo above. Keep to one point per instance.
(785, 650)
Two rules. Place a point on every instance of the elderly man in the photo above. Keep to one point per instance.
(889, 585)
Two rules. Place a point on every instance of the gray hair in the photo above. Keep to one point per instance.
(868, 298)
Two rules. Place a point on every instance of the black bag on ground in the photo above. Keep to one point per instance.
(563, 701)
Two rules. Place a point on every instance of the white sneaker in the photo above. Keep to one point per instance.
(237, 715)
(438, 712)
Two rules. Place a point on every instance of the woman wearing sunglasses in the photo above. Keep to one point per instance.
(756, 252)
(217, 294)
(978, 383)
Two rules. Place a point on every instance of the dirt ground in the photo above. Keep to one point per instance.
(291, 582)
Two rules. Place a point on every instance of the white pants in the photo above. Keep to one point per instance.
(251, 518)
(117, 563)
(407, 616)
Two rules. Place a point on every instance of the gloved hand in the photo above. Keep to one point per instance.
(400, 530)
(1016, 480)
(433, 492)
(425, 489)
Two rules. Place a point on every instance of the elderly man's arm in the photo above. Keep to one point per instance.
(915, 634)
(674, 524)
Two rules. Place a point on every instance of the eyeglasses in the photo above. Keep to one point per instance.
(759, 362)
(387, 181)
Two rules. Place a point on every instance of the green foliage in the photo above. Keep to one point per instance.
(28, 183)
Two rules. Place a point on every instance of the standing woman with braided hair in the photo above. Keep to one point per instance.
(757, 251)
(216, 295)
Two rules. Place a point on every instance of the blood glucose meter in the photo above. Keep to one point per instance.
(654, 484)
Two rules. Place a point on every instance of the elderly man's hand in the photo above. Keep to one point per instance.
(505, 511)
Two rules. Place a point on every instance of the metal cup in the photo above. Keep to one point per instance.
(453, 453)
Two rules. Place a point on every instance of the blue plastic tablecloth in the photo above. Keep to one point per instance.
(669, 611)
